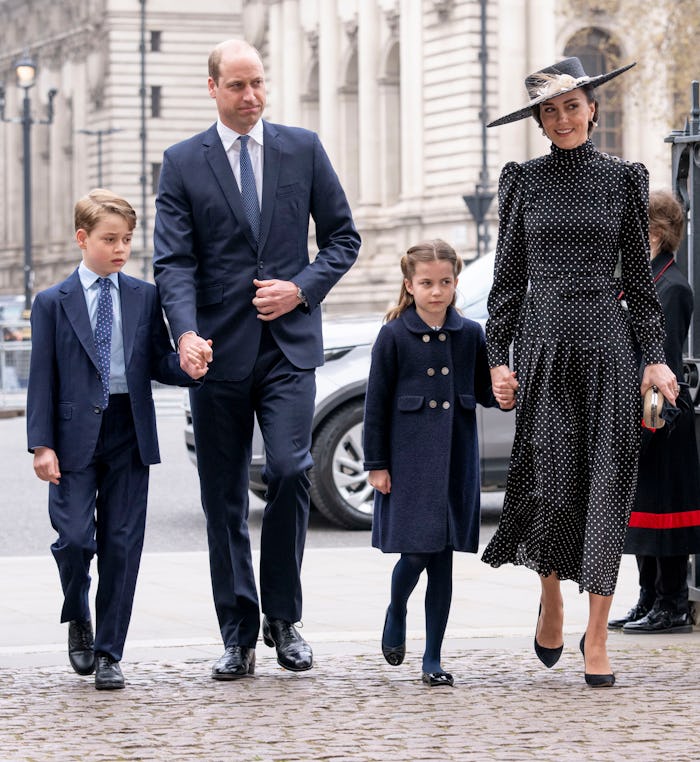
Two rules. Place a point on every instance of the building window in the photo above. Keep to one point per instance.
(156, 39)
(156, 97)
(155, 176)
(599, 53)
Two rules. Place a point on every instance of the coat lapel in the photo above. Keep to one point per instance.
(271, 167)
(75, 308)
(218, 161)
(131, 312)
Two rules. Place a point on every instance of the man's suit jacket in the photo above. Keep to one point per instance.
(64, 392)
(206, 257)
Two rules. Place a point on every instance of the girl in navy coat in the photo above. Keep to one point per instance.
(429, 369)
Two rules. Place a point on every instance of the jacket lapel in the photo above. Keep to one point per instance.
(271, 169)
(131, 312)
(218, 161)
(75, 308)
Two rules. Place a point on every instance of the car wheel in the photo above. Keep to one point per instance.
(339, 487)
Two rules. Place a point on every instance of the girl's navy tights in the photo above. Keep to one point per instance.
(438, 596)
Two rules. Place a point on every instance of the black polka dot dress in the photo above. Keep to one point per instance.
(568, 220)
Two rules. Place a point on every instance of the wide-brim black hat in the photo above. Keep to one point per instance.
(556, 80)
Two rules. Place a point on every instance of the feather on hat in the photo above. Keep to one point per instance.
(556, 80)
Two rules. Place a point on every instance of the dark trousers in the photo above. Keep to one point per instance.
(102, 510)
(663, 582)
(282, 397)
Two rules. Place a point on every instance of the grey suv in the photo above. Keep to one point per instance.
(339, 487)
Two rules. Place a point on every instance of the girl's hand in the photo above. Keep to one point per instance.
(380, 480)
(663, 378)
(504, 385)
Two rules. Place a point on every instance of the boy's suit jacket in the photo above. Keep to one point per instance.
(64, 391)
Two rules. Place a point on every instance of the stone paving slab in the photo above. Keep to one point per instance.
(504, 706)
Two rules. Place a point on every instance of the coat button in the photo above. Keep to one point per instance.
(446, 405)
(97, 410)
(430, 371)
(432, 404)
(442, 336)
(426, 338)
(444, 371)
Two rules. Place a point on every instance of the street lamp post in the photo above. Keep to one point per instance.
(100, 134)
(25, 70)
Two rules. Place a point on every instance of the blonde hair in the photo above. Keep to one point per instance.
(426, 251)
(98, 203)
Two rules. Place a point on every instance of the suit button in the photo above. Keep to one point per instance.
(442, 337)
(430, 371)
(444, 371)
(446, 405)
(261, 265)
(426, 338)
(432, 404)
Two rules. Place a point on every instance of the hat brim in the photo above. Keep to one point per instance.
(526, 111)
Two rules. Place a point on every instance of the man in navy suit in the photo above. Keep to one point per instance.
(232, 266)
(98, 338)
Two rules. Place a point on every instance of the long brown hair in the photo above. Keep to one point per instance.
(426, 251)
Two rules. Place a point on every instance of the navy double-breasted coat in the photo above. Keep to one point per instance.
(420, 424)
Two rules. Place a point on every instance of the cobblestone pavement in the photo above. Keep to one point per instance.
(504, 706)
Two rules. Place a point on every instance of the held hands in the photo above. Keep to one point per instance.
(504, 385)
(380, 480)
(195, 354)
(274, 298)
(46, 465)
(663, 378)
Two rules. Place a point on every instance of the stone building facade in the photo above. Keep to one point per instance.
(395, 89)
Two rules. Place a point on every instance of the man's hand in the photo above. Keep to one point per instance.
(46, 465)
(274, 298)
(195, 354)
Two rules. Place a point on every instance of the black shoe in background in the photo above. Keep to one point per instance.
(659, 622)
(638, 611)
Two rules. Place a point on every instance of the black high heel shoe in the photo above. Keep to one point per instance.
(595, 681)
(393, 654)
(548, 656)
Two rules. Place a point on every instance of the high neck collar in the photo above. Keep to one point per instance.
(574, 156)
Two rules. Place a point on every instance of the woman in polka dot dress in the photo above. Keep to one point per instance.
(567, 220)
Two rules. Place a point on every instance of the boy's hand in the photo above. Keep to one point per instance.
(46, 465)
(195, 354)
(380, 480)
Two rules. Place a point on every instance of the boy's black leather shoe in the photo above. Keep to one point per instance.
(81, 647)
(108, 673)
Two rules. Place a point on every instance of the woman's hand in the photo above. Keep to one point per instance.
(663, 378)
(504, 385)
(380, 480)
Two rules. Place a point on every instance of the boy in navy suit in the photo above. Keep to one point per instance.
(98, 338)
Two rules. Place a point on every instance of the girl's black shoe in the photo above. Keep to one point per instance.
(595, 681)
(548, 656)
(393, 654)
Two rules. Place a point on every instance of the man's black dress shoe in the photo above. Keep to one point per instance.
(548, 656)
(636, 612)
(393, 654)
(108, 673)
(293, 652)
(81, 647)
(595, 681)
(237, 662)
(659, 621)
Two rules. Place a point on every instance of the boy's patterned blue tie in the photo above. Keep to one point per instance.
(103, 335)
(249, 193)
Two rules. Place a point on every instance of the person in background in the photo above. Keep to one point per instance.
(428, 372)
(566, 220)
(664, 527)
